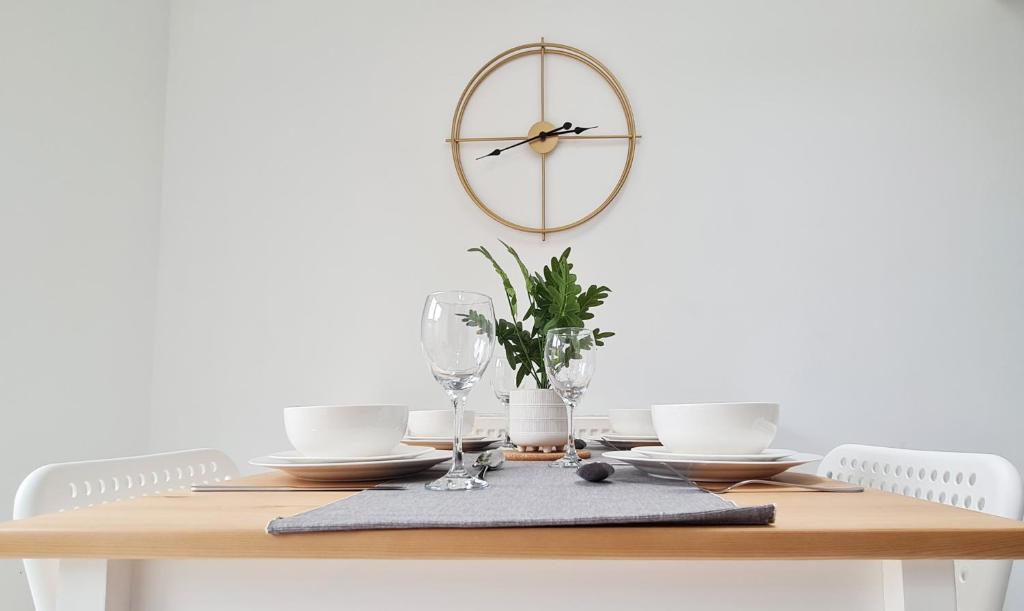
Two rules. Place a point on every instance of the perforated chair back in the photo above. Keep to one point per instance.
(979, 482)
(74, 485)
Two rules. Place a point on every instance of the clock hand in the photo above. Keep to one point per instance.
(577, 131)
(541, 136)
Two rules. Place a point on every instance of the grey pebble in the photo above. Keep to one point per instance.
(595, 471)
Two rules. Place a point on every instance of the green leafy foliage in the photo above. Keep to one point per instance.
(510, 291)
(556, 300)
(478, 320)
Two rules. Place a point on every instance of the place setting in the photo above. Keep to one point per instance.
(707, 442)
(349, 443)
(434, 428)
(630, 428)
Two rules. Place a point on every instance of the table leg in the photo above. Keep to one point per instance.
(93, 585)
(919, 585)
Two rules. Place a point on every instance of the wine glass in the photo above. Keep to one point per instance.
(503, 382)
(457, 337)
(569, 358)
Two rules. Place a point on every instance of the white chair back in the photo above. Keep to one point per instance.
(980, 482)
(74, 485)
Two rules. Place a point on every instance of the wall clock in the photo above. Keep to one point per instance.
(540, 137)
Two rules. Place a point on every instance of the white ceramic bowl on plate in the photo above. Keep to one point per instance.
(631, 422)
(355, 471)
(400, 452)
(716, 428)
(345, 430)
(433, 423)
(711, 470)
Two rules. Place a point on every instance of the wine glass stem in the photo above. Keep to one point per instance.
(459, 404)
(508, 423)
(570, 449)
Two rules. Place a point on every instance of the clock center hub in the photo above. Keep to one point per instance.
(547, 144)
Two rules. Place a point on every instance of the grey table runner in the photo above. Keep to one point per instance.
(528, 494)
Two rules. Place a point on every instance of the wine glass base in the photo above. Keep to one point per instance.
(567, 462)
(457, 482)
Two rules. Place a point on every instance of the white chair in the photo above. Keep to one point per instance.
(980, 482)
(74, 485)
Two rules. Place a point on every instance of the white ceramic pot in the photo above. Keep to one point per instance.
(716, 428)
(345, 430)
(537, 420)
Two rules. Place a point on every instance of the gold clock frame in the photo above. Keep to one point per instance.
(544, 148)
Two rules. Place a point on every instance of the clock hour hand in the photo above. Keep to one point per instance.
(565, 128)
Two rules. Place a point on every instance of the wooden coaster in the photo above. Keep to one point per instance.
(509, 455)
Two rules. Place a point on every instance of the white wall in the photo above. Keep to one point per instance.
(826, 210)
(81, 106)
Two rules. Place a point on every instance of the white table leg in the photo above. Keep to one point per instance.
(93, 585)
(919, 585)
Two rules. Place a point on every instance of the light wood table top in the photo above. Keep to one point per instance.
(809, 525)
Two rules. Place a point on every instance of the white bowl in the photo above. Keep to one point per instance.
(345, 430)
(438, 422)
(635, 422)
(716, 428)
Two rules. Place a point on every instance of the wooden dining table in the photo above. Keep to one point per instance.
(210, 550)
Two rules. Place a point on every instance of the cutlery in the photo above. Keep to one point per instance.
(813, 487)
(491, 459)
(243, 488)
(769, 482)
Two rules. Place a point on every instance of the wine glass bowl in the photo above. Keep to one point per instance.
(569, 360)
(503, 382)
(457, 338)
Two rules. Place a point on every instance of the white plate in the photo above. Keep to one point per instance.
(399, 451)
(663, 452)
(710, 470)
(448, 438)
(617, 437)
(468, 445)
(621, 444)
(355, 471)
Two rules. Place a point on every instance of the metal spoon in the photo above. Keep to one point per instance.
(491, 459)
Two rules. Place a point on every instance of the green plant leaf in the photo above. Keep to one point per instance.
(558, 294)
(521, 375)
(600, 336)
(510, 291)
(591, 298)
(527, 279)
(478, 320)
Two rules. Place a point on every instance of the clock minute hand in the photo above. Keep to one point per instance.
(554, 132)
(575, 130)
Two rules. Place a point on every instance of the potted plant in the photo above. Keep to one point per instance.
(555, 299)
